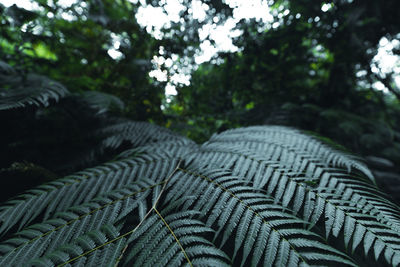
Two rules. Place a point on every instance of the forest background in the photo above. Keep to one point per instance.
(197, 68)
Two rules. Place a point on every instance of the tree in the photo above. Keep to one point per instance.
(71, 44)
(312, 70)
(262, 195)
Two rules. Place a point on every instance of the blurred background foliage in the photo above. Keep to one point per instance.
(312, 65)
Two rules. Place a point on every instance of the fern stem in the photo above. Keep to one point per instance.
(173, 234)
(152, 208)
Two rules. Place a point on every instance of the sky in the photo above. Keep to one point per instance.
(153, 19)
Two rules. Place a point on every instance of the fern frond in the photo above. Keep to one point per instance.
(255, 196)
(173, 240)
(30, 90)
(101, 247)
(78, 220)
(136, 133)
(337, 205)
(263, 138)
(103, 102)
(264, 233)
(81, 187)
(261, 170)
(6, 69)
(176, 148)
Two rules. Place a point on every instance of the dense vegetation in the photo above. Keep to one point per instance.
(261, 195)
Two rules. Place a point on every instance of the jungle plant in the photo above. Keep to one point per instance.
(255, 196)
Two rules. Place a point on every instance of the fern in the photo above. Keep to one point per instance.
(257, 196)
(21, 90)
(103, 102)
(173, 239)
(77, 220)
(79, 188)
(136, 133)
(276, 236)
(96, 248)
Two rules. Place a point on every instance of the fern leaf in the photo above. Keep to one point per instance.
(82, 187)
(69, 225)
(87, 250)
(30, 90)
(264, 137)
(244, 205)
(250, 196)
(136, 133)
(176, 148)
(315, 204)
(180, 241)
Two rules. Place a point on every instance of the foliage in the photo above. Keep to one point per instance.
(43, 140)
(261, 195)
(313, 71)
(134, 193)
(26, 89)
(71, 45)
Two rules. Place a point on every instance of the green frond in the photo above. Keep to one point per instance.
(66, 226)
(289, 182)
(6, 69)
(265, 138)
(173, 240)
(81, 187)
(176, 148)
(319, 204)
(136, 133)
(20, 91)
(103, 102)
(238, 208)
(257, 196)
(101, 247)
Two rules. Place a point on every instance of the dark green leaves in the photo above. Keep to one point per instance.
(18, 91)
(268, 196)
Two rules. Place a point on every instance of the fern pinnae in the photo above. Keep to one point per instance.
(37, 90)
(367, 198)
(312, 212)
(177, 148)
(137, 133)
(180, 240)
(245, 206)
(78, 190)
(87, 244)
(245, 137)
(173, 234)
(82, 219)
